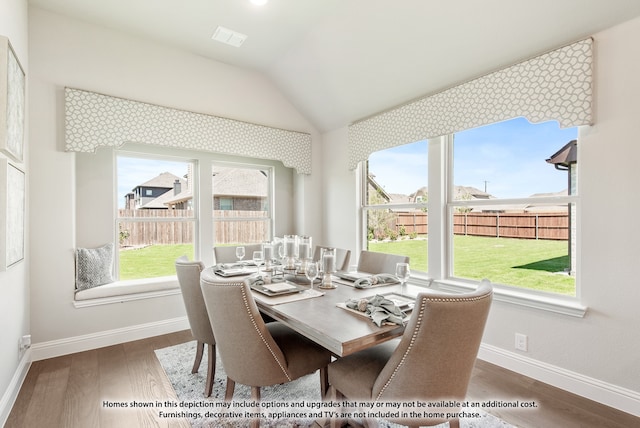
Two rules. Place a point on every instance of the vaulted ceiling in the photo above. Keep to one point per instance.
(341, 60)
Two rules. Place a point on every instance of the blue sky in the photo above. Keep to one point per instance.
(135, 171)
(509, 156)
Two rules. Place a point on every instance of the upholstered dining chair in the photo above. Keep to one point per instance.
(432, 361)
(253, 352)
(227, 254)
(372, 262)
(189, 279)
(342, 256)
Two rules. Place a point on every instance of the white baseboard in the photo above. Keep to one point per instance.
(610, 395)
(11, 393)
(56, 348)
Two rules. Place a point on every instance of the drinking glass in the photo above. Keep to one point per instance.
(240, 253)
(402, 273)
(311, 272)
(257, 257)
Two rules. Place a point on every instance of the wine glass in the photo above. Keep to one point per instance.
(311, 272)
(257, 257)
(240, 254)
(402, 273)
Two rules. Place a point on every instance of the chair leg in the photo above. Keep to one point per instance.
(231, 385)
(324, 382)
(199, 352)
(211, 369)
(255, 396)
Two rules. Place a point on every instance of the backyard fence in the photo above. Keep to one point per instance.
(547, 225)
(155, 227)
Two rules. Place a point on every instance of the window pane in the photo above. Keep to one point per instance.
(241, 209)
(509, 160)
(532, 248)
(399, 176)
(155, 216)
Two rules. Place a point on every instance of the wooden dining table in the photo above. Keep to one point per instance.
(322, 320)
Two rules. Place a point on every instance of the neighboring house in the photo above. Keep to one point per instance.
(235, 189)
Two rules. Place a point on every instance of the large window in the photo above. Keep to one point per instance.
(241, 204)
(512, 203)
(507, 211)
(156, 221)
(395, 202)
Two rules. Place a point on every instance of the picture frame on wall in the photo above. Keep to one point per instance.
(12, 102)
(12, 214)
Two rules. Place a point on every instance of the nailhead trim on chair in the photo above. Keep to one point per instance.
(423, 305)
(246, 305)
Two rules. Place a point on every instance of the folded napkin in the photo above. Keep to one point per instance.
(373, 280)
(262, 280)
(379, 308)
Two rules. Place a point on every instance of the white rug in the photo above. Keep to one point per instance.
(278, 402)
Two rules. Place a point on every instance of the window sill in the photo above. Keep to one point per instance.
(125, 291)
(564, 305)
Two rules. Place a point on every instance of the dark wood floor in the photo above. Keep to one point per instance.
(68, 391)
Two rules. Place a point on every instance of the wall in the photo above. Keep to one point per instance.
(596, 356)
(67, 52)
(14, 283)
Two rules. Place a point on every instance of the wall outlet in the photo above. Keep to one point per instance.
(23, 344)
(522, 342)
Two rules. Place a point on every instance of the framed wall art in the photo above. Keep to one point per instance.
(12, 214)
(12, 102)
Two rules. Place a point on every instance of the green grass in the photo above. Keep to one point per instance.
(518, 262)
(152, 261)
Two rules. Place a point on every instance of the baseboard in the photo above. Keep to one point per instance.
(56, 348)
(610, 395)
(11, 393)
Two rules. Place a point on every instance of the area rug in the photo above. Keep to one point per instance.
(300, 398)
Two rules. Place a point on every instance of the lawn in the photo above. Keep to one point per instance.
(520, 262)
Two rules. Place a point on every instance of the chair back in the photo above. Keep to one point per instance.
(189, 279)
(227, 254)
(372, 262)
(248, 352)
(342, 256)
(437, 352)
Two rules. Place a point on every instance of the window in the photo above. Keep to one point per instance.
(241, 204)
(155, 220)
(395, 202)
(511, 207)
(508, 212)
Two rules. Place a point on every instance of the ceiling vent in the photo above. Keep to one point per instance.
(229, 37)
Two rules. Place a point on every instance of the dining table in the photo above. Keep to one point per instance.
(321, 314)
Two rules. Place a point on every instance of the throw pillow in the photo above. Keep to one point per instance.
(94, 266)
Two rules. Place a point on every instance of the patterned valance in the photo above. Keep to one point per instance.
(94, 120)
(553, 86)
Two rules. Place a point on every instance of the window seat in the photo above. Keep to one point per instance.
(122, 291)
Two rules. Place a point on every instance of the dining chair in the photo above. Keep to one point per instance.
(189, 278)
(375, 263)
(432, 361)
(253, 352)
(342, 256)
(227, 254)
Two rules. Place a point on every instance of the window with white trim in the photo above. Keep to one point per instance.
(156, 221)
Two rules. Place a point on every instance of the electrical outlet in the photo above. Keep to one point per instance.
(522, 342)
(23, 344)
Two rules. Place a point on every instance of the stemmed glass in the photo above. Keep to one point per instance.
(240, 254)
(257, 258)
(402, 273)
(311, 272)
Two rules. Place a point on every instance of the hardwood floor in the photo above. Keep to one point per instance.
(69, 391)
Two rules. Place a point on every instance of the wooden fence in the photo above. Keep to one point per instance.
(547, 225)
(153, 227)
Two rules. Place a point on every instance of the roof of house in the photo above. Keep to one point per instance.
(164, 180)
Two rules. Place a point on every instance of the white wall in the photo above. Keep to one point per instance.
(66, 52)
(597, 354)
(14, 283)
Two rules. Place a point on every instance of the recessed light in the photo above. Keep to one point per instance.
(229, 37)
(259, 2)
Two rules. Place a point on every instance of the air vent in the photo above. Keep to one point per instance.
(229, 37)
